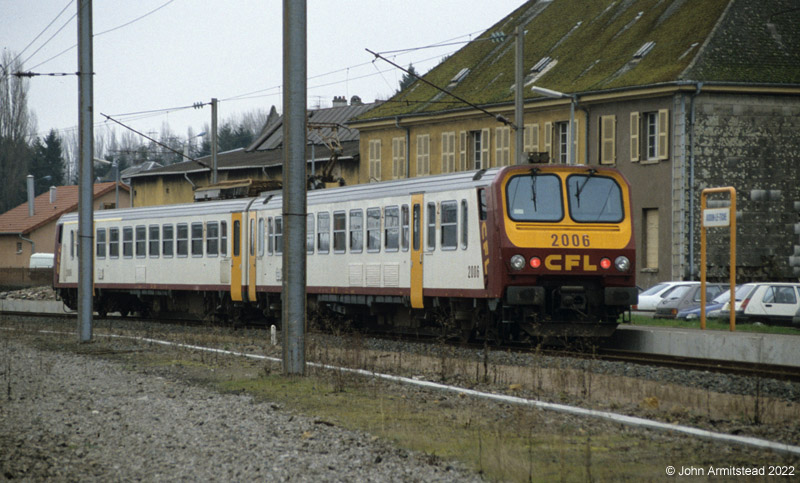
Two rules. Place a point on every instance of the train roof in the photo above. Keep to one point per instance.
(274, 199)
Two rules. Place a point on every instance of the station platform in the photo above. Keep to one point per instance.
(39, 306)
(774, 349)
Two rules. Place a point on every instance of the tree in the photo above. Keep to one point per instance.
(408, 78)
(16, 126)
(48, 160)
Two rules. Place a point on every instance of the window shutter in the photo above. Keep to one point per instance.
(575, 142)
(463, 149)
(548, 140)
(485, 148)
(663, 133)
(608, 148)
(634, 137)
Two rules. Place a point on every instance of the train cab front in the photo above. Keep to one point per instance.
(568, 250)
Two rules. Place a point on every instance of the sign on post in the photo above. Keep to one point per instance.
(718, 217)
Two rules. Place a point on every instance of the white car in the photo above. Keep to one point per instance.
(649, 299)
(771, 302)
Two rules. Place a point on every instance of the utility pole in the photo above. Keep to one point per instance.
(519, 118)
(213, 140)
(86, 172)
(294, 187)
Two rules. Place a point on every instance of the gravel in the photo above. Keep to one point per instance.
(72, 417)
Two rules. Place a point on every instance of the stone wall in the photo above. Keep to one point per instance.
(753, 144)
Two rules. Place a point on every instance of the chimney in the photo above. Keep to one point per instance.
(339, 101)
(31, 211)
(355, 101)
(53, 191)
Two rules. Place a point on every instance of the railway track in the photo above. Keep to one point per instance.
(739, 368)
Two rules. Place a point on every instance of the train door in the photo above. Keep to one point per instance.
(252, 242)
(416, 250)
(236, 258)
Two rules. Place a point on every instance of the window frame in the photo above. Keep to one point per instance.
(100, 242)
(212, 239)
(151, 239)
(339, 232)
(113, 242)
(323, 235)
(168, 241)
(449, 227)
(196, 242)
(373, 241)
(430, 216)
(127, 242)
(182, 240)
(356, 243)
(391, 232)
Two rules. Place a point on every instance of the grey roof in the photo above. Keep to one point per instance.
(272, 136)
(241, 159)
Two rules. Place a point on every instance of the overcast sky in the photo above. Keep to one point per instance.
(189, 51)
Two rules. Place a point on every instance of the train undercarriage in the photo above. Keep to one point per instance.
(526, 314)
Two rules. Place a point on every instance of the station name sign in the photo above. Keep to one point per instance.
(716, 217)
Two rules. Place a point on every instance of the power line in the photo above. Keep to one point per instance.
(95, 35)
(498, 117)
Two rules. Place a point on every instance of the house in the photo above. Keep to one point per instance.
(678, 95)
(30, 227)
(260, 165)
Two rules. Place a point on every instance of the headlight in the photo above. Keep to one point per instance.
(622, 263)
(517, 262)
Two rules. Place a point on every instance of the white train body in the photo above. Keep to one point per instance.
(400, 253)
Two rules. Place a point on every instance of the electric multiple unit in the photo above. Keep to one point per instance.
(504, 253)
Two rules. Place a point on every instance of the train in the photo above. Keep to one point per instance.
(513, 253)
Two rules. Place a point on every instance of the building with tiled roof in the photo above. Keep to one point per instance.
(22, 234)
(262, 161)
(679, 95)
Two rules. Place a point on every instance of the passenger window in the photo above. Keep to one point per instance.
(464, 225)
(154, 240)
(278, 235)
(310, 233)
(373, 229)
(101, 243)
(127, 242)
(404, 232)
(252, 237)
(237, 234)
(449, 225)
(72, 244)
(391, 228)
(212, 238)
(261, 237)
(323, 232)
(168, 241)
(197, 239)
(417, 229)
(356, 231)
(270, 236)
(141, 241)
(183, 240)
(431, 215)
(339, 231)
(113, 242)
(223, 241)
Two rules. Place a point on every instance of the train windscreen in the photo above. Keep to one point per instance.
(594, 199)
(535, 197)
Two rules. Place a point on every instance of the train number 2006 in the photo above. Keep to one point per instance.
(570, 240)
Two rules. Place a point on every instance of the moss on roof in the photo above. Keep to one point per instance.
(593, 43)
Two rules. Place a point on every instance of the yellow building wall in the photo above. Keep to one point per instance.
(435, 127)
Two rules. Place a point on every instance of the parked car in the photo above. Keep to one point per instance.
(653, 295)
(685, 296)
(796, 318)
(769, 303)
(714, 306)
